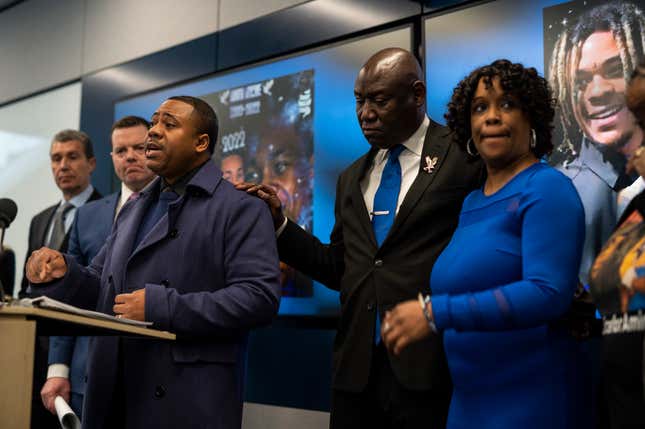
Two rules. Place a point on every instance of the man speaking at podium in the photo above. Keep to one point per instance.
(195, 257)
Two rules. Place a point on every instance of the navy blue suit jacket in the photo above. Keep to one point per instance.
(210, 272)
(90, 230)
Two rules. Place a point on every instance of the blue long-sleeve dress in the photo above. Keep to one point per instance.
(511, 268)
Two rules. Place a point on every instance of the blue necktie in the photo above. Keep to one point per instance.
(384, 209)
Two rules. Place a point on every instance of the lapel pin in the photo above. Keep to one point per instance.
(430, 164)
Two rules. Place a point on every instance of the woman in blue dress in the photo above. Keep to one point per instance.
(511, 266)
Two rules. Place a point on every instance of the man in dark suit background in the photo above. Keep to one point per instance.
(383, 245)
(91, 228)
(72, 161)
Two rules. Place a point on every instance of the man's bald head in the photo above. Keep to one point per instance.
(397, 62)
(390, 97)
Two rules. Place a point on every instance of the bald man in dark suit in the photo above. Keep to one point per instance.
(396, 209)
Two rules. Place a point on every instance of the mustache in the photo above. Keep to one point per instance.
(152, 144)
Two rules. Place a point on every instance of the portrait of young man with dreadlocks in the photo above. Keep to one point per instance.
(592, 58)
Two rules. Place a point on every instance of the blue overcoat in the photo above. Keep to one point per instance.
(210, 272)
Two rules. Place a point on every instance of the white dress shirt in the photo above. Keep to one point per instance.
(125, 195)
(409, 160)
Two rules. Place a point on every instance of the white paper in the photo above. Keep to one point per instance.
(66, 417)
(52, 304)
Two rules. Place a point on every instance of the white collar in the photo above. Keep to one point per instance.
(125, 192)
(414, 144)
(80, 199)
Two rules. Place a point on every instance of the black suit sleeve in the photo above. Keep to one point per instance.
(7, 270)
(25, 283)
(303, 251)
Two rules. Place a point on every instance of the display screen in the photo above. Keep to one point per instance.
(289, 123)
(587, 50)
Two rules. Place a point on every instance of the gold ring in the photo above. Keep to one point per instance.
(639, 151)
(119, 316)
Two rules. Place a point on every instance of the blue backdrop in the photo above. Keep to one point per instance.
(337, 137)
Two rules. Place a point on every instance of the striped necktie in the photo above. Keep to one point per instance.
(58, 230)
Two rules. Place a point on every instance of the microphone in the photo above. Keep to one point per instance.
(8, 212)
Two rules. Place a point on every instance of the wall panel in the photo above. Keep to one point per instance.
(26, 130)
(235, 12)
(40, 46)
(117, 31)
(308, 23)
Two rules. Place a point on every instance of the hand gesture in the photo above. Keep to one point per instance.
(131, 305)
(45, 265)
(269, 196)
(402, 325)
(53, 387)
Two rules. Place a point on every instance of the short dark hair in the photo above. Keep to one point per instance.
(524, 83)
(129, 122)
(75, 135)
(206, 122)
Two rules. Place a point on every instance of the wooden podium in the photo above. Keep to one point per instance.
(19, 327)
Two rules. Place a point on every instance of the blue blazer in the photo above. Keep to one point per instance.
(210, 271)
(91, 227)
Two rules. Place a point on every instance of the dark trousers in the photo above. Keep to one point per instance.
(623, 380)
(41, 418)
(386, 404)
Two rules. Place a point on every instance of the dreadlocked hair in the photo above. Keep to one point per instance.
(627, 25)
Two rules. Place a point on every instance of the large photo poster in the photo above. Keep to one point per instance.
(590, 51)
(266, 136)
(587, 49)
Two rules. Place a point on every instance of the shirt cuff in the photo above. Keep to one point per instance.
(282, 227)
(58, 370)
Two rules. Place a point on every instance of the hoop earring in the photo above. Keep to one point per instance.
(471, 152)
(533, 139)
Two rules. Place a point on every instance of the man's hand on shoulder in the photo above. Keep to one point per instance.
(45, 265)
(269, 196)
